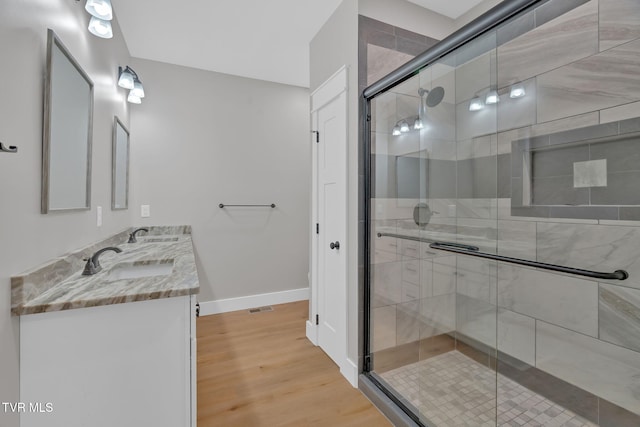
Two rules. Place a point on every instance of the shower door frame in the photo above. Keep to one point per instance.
(476, 28)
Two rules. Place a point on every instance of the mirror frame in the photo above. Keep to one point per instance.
(53, 41)
(114, 156)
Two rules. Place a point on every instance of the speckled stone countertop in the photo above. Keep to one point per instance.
(60, 285)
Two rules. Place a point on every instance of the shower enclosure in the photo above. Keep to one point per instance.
(502, 247)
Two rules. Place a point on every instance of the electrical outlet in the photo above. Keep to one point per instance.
(145, 211)
(99, 216)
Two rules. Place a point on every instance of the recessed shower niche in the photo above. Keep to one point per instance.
(588, 173)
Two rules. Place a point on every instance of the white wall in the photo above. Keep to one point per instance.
(409, 16)
(27, 237)
(202, 138)
(335, 45)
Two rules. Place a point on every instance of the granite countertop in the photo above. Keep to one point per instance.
(60, 285)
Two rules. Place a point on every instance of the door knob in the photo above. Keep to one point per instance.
(335, 245)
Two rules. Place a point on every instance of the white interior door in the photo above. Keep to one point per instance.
(330, 120)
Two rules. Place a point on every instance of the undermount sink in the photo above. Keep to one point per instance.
(125, 271)
(159, 239)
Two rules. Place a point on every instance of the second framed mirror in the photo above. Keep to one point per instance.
(120, 166)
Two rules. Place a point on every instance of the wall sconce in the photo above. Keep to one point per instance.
(402, 125)
(101, 15)
(476, 104)
(433, 98)
(128, 79)
(517, 91)
(492, 97)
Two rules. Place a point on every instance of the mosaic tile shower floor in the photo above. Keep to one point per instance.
(452, 390)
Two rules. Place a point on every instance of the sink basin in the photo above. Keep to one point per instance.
(140, 270)
(159, 239)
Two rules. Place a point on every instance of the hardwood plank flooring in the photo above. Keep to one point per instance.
(260, 370)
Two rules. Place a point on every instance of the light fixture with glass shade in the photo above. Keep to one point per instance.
(125, 77)
(133, 99)
(418, 122)
(128, 79)
(476, 104)
(138, 90)
(492, 98)
(101, 9)
(100, 27)
(517, 91)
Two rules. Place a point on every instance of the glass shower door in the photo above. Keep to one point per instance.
(505, 225)
(433, 311)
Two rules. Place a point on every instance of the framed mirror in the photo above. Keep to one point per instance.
(67, 131)
(120, 166)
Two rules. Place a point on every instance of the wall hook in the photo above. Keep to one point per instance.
(9, 149)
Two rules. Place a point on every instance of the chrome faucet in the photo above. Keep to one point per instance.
(132, 236)
(93, 264)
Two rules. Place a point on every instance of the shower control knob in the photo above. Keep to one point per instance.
(335, 245)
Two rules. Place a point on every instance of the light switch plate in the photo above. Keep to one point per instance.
(145, 211)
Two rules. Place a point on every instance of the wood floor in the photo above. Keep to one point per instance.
(260, 370)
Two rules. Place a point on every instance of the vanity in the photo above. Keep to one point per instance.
(116, 348)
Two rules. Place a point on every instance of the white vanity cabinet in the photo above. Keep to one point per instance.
(126, 365)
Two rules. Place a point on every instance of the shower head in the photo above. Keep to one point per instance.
(434, 96)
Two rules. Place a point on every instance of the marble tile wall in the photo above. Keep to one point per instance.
(608, 371)
(580, 67)
(594, 83)
(561, 41)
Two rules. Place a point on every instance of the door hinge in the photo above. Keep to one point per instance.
(317, 319)
(198, 309)
(368, 117)
(317, 135)
(317, 228)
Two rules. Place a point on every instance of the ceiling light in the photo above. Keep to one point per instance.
(396, 130)
(417, 125)
(492, 97)
(404, 126)
(517, 91)
(476, 104)
(100, 27)
(134, 99)
(100, 9)
(125, 80)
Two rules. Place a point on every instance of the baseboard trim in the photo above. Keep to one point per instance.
(349, 370)
(242, 303)
(312, 332)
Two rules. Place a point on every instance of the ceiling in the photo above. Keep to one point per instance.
(266, 40)
(451, 8)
